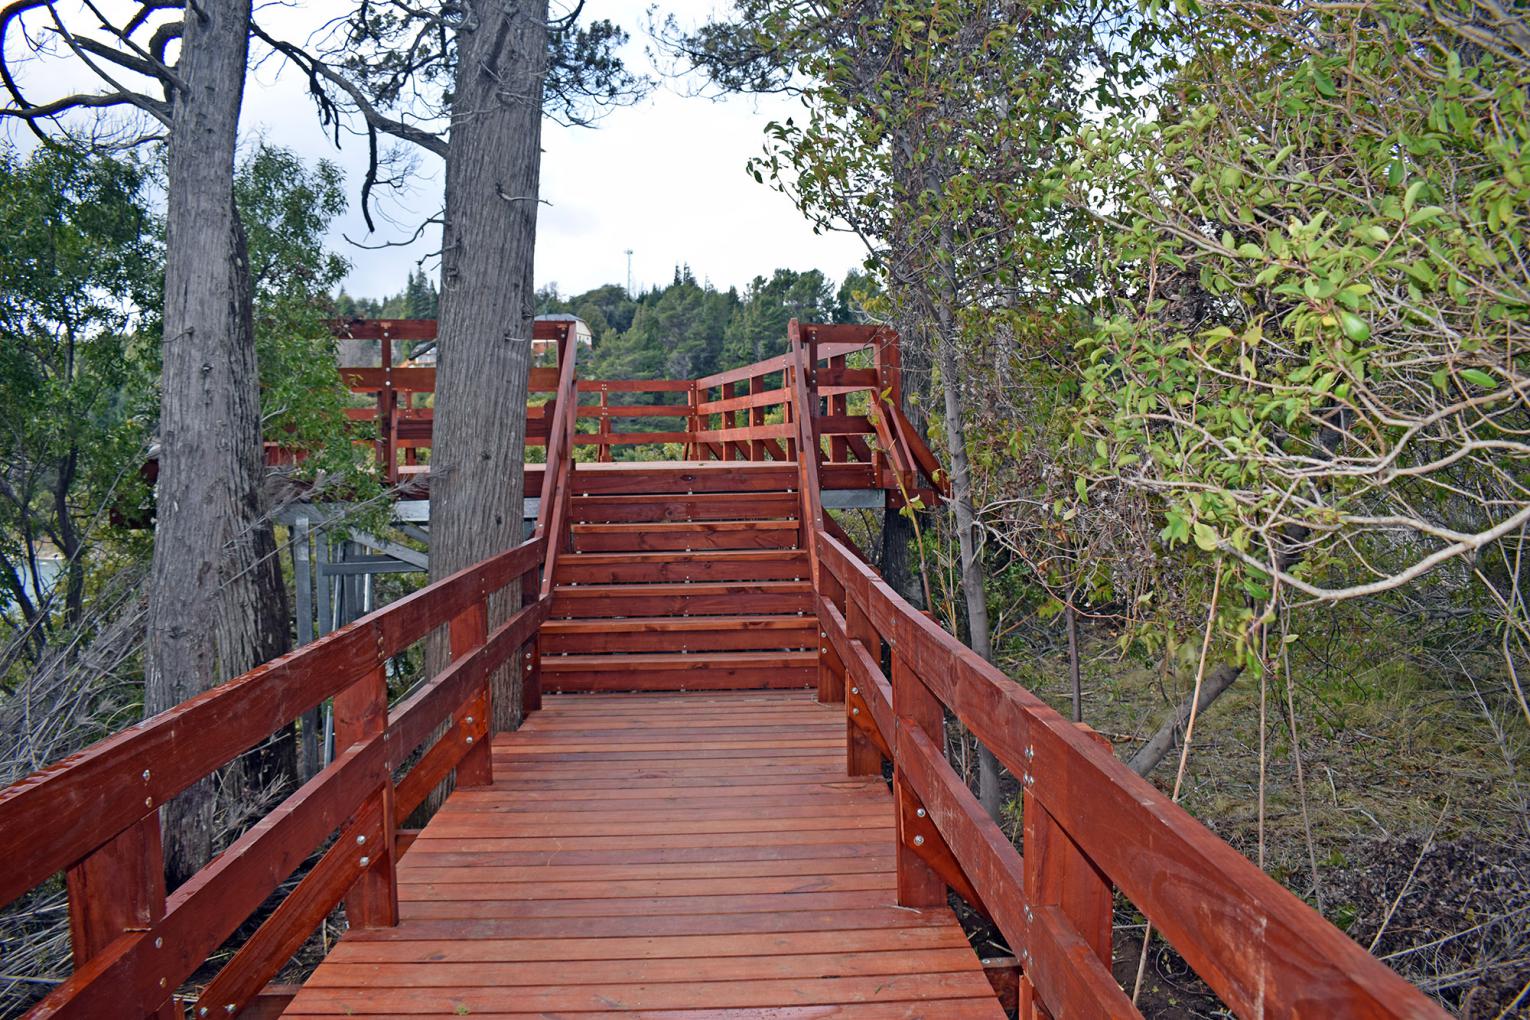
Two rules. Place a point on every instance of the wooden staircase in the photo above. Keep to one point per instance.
(682, 577)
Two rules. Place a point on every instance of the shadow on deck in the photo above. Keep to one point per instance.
(682, 855)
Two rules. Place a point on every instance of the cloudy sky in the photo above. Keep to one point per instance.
(664, 178)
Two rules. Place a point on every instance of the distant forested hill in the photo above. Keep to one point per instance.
(682, 330)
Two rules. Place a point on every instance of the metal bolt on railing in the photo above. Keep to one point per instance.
(919, 841)
(365, 861)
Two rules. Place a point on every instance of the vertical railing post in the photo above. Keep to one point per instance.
(839, 404)
(118, 889)
(361, 712)
(693, 420)
(531, 652)
(468, 630)
(888, 359)
(756, 417)
(861, 756)
(387, 425)
(604, 450)
(1059, 876)
(831, 671)
(729, 419)
(914, 706)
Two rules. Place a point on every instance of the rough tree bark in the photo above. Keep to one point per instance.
(493, 168)
(216, 603)
(974, 592)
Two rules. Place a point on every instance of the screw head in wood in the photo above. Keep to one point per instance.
(920, 812)
(146, 775)
(469, 740)
(855, 711)
(365, 861)
(855, 690)
(360, 840)
(159, 943)
(919, 841)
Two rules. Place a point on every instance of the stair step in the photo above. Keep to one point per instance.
(710, 476)
(778, 659)
(704, 599)
(709, 671)
(685, 536)
(678, 633)
(707, 565)
(723, 506)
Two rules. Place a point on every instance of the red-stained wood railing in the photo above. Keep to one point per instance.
(743, 414)
(94, 817)
(400, 390)
(1091, 827)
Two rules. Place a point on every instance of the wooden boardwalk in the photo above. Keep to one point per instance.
(706, 656)
(675, 855)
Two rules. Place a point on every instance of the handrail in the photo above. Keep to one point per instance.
(1092, 827)
(804, 410)
(95, 815)
(725, 415)
(553, 508)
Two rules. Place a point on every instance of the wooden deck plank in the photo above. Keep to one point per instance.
(659, 855)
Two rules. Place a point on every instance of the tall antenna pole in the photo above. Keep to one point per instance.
(629, 272)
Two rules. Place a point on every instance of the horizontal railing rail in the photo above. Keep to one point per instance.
(1091, 827)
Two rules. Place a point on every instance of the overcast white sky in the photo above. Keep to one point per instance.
(664, 178)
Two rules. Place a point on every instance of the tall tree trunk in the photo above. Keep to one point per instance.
(974, 593)
(488, 300)
(216, 605)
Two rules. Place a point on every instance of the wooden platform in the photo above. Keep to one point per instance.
(659, 855)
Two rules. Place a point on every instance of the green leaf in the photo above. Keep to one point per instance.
(1411, 195)
(1205, 536)
(1479, 378)
(1356, 328)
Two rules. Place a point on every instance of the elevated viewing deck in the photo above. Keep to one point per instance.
(694, 820)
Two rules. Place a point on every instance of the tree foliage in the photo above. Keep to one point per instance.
(77, 255)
